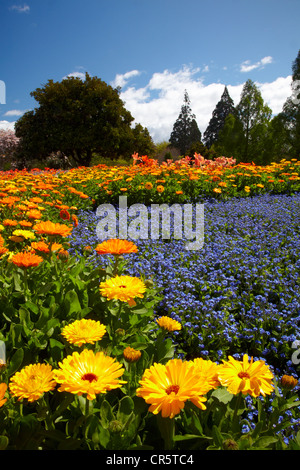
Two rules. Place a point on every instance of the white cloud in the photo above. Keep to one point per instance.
(158, 113)
(20, 9)
(80, 75)
(276, 93)
(14, 112)
(122, 79)
(247, 67)
(7, 125)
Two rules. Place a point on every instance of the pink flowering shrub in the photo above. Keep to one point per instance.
(8, 142)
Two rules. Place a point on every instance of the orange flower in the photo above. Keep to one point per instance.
(51, 228)
(3, 250)
(44, 248)
(3, 388)
(34, 214)
(116, 246)
(64, 214)
(75, 220)
(9, 222)
(26, 259)
(25, 223)
(160, 188)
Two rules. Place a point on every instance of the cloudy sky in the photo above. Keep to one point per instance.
(153, 49)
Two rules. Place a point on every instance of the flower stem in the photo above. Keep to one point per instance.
(167, 430)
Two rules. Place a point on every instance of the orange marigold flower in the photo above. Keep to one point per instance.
(9, 223)
(131, 354)
(34, 214)
(44, 248)
(51, 228)
(26, 259)
(160, 188)
(289, 382)
(3, 388)
(116, 246)
(3, 250)
(148, 185)
(64, 214)
(25, 223)
(75, 220)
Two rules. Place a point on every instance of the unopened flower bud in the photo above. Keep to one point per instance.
(115, 426)
(230, 444)
(288, 382)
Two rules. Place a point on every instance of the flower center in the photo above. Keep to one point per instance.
(244, 375)
(172, 389)
(89, 376)
(123, 287)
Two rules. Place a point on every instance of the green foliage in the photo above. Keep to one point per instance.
(79, 118)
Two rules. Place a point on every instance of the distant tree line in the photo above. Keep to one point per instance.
(247, 132)
(78, 119)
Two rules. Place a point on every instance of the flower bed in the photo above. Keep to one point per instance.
(217, 325)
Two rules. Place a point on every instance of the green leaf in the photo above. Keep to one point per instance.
(222, 395)
(264, 442)
(126, 407)
(71, 303)
(15, 362)
(3, 442)
(217, 436)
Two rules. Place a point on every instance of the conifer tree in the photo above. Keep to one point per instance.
(185, 129)
(224, 107)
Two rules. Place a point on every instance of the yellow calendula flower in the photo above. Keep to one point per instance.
(168, 323)
(148, 185)
(24, 233)
(253, 378)
(124, 288)
(32, 382)
(89, 373)
(84, 331)
(167, 387)
(160, 188)
(208, 371)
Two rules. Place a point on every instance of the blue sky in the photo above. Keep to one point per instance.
(153, 49)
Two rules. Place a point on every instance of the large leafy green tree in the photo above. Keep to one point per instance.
(78, 117)
(231, 139)
(255, 116)
(185, 131)
(223, 108)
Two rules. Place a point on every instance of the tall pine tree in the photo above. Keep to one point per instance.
(185, 129)
(224, 107)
